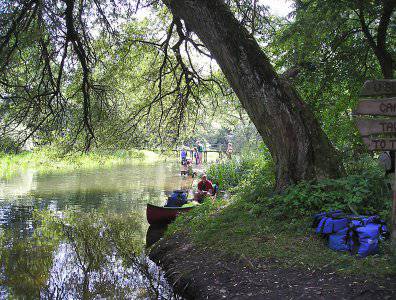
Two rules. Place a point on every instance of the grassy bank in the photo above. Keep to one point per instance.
(49, 160)
(254, 223)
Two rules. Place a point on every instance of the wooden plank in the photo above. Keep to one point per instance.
(376, 144)
(385, 87)
(373, 126)
(376, 107)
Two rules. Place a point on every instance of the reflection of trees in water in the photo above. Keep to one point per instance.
(17, 218)
(131, 179)
(25, 262)
(81, 256)
(120, 189)
(19, 185)
(86, 254)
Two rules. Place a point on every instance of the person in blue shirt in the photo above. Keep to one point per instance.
(183, 157)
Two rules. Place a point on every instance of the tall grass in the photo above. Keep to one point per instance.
(229, 174)
(49, 160)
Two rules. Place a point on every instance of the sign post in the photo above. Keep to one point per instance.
(379, 134)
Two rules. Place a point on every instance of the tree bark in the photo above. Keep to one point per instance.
(297, 143)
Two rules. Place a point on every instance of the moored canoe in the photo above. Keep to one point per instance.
(163, 215)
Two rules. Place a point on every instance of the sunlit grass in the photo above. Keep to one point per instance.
(258, 224)
(46, 160)
(230, 229)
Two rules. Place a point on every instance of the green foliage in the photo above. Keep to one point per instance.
(326, 46)
(230, 173)
(252, 178)
(9, 145)
(237, 229)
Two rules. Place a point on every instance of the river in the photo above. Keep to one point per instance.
(81, 235)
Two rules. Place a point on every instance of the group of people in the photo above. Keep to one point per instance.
(196, 152)
(205, 187)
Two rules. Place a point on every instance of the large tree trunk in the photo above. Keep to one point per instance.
(298, 145)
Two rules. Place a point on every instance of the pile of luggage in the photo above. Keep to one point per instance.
(359, 235)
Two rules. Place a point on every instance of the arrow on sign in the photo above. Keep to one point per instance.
(379, 87)
(380, 144)
(371, 126)
(376, 107)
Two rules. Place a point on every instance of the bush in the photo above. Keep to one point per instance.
(8, 145)
(229, 174)
(252, 179)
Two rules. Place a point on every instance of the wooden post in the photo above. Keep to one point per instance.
(393, 219)
(386, 127)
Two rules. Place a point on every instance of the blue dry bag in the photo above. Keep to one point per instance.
(364, 235)
(338, 241)
(331, 223)
(358, 234)
(318, 217)
(177, 199)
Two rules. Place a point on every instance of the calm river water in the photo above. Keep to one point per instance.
(81, 235)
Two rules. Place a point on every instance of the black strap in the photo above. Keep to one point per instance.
(354, 236)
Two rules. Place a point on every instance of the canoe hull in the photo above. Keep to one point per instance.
(163, 215)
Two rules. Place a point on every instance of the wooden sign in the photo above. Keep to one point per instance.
(376, 107)
(376, 144)
(370, 127)
(375, 126)
(379, 87)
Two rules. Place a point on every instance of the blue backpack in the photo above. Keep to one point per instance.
(318, 217)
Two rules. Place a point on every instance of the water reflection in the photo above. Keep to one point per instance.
(87, 242)
(154, 234)
(20, 185)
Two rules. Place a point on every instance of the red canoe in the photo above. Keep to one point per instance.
(163, 215)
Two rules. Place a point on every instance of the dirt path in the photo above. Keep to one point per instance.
(200, 274)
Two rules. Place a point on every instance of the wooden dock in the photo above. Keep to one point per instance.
(190, 153)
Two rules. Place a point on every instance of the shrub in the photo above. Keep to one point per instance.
(231, 173)
(364, 190)
(8, 145)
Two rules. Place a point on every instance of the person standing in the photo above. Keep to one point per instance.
(200, 152)
(183, 156)
(192, 152)
(196, 155)
(229, 150)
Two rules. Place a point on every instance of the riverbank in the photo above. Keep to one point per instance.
(47, 160)
(207, 273)
(260, 245)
